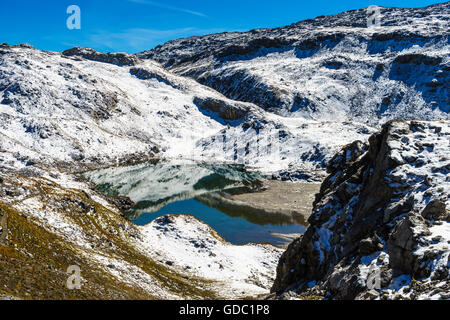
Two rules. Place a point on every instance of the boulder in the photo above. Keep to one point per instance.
(368, 295)
(402, 242)
(436, 210)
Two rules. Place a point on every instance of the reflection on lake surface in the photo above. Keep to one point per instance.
(235, 230)
(178, 187)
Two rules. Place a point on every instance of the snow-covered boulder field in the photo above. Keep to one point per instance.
(380, 227)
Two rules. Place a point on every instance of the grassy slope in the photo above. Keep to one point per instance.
(34, 259)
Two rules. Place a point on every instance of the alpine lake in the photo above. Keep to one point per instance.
(230, 198)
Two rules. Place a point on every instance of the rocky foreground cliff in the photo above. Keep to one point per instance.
(86, 107)
(380, 227)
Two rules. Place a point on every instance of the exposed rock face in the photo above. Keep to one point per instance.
(381, 216)
(91, 107)
(122, 203)
(222, 109)
(120, 59)
(331, 67)
(147, 74)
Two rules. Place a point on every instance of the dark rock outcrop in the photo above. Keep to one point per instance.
(122, 203)
(120, 59)
(146, 74)
(375, 217)
(436, 210)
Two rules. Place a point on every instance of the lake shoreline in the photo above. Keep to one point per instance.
(244, 206)
(291, 200)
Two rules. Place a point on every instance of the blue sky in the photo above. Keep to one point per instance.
(137, 25)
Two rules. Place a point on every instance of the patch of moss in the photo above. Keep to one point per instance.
(310, 297)
(34, 264)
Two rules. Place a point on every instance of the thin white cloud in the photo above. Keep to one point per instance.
(168, 7)
(136, 39)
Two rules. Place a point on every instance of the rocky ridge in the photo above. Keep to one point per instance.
(330, 67)
(380, 227)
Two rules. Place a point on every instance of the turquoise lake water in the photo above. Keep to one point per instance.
(235, 230)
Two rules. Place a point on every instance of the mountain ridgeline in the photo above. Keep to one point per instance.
(328, 68)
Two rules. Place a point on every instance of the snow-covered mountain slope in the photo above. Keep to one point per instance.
(329, 68)
(83, 106)
(68, 108)
(380, 227)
